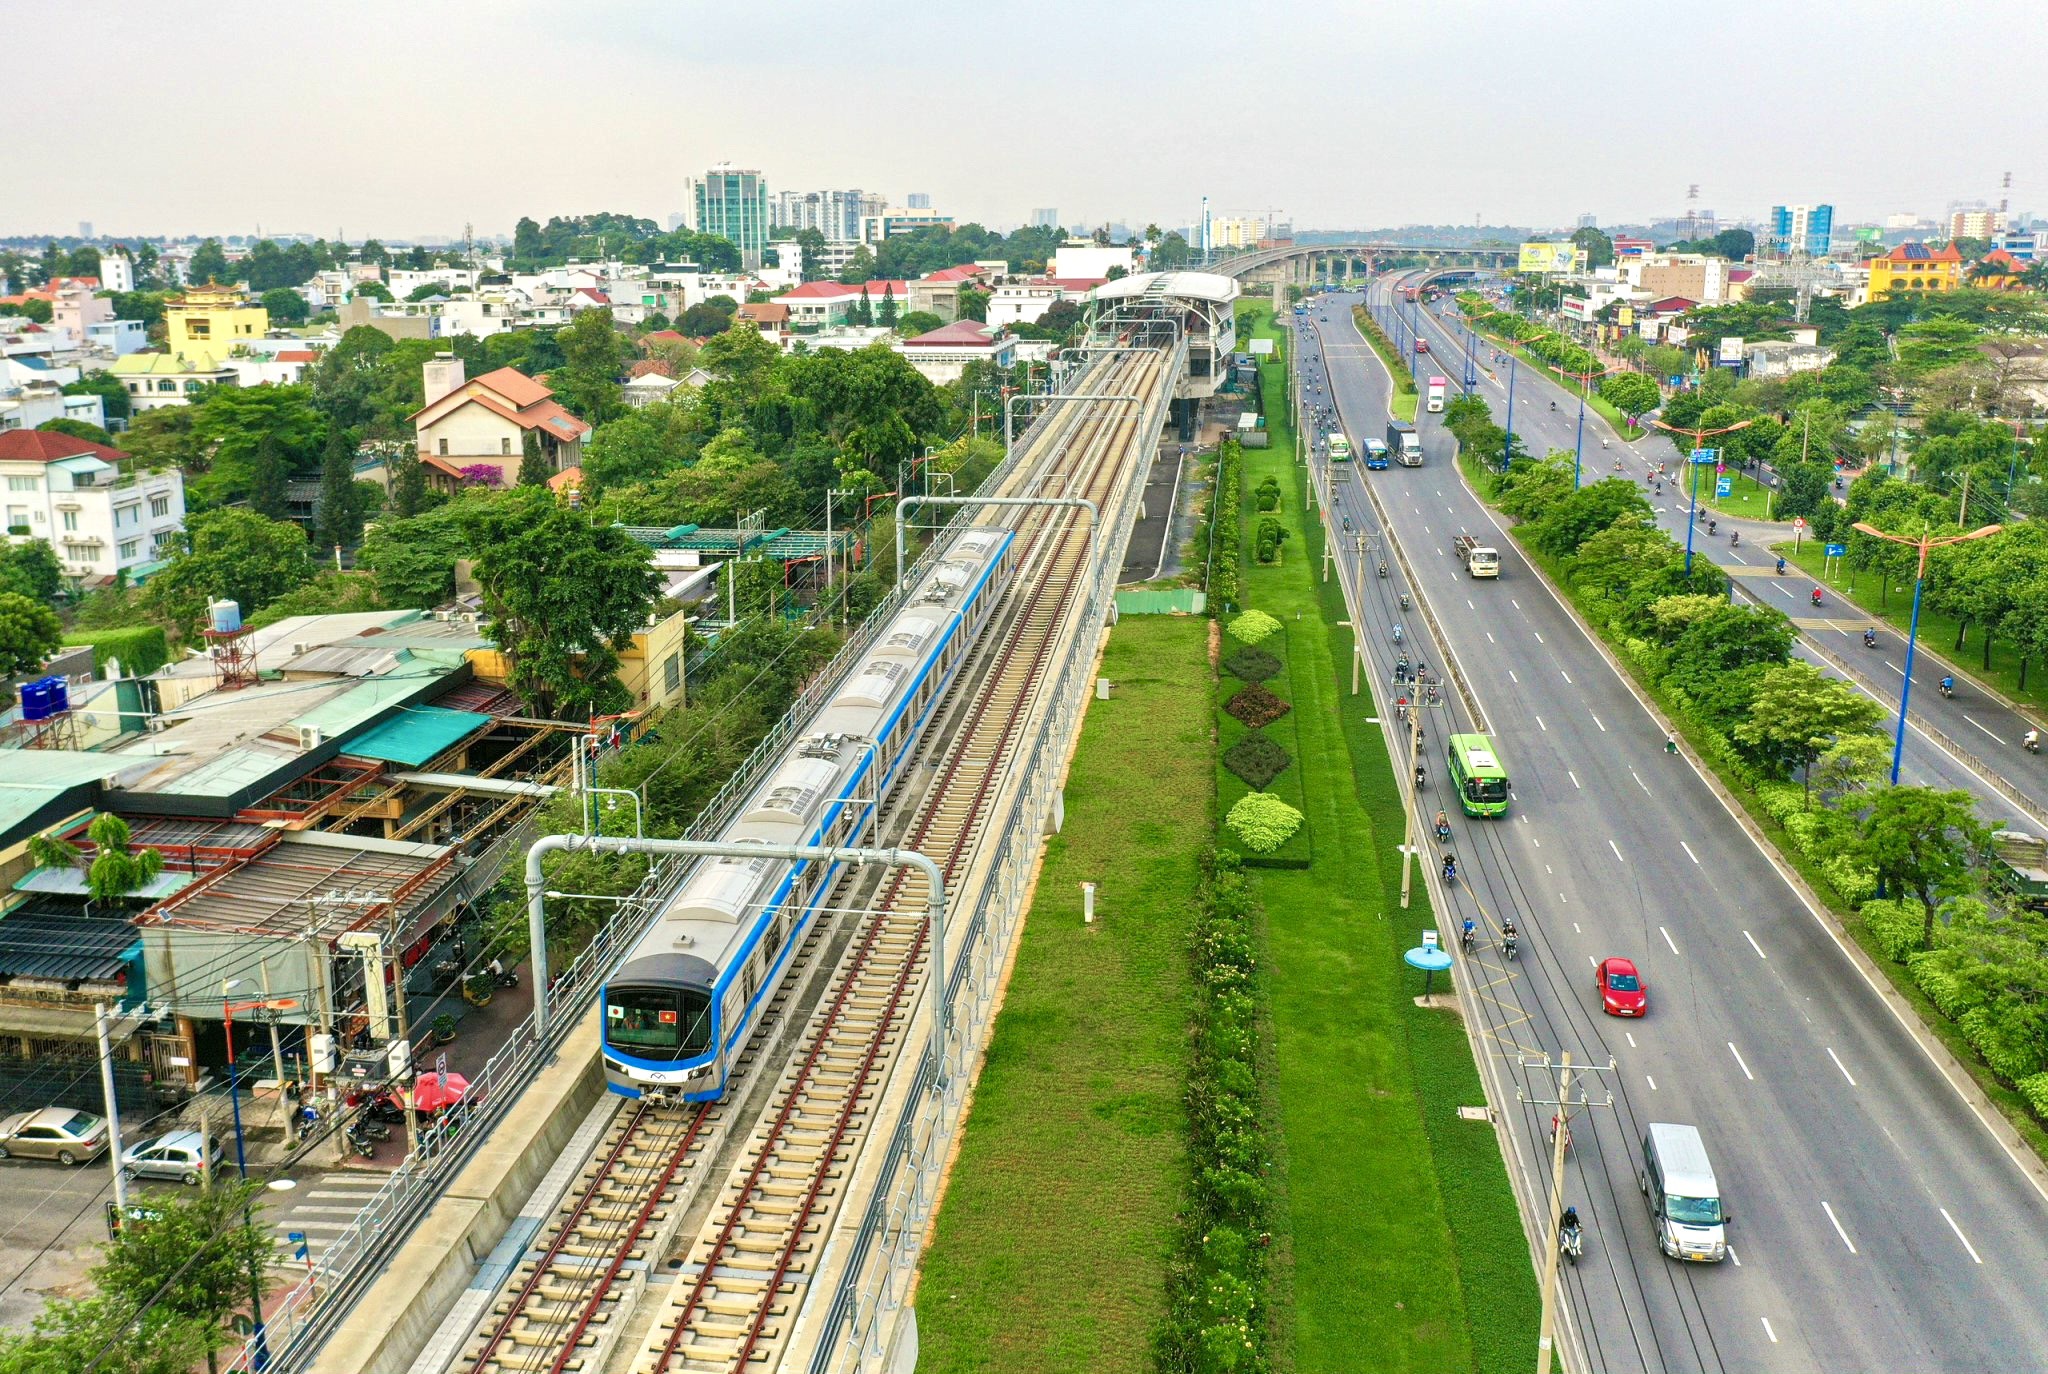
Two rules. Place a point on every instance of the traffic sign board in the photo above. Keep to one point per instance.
(1837, 550)
(1798, 522)
(1706, 455)
(1724, 486)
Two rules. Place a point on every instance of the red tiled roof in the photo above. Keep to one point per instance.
(567, 477)
(1920, 252)
(1672, 305)
(43, 446)
(298, 355)
(1740, 274)
(959, 334)
(833, 291)
(515, 386)
(1075, 283)
(663, 336)
(656, 366)
(966, 271)
(768, 312)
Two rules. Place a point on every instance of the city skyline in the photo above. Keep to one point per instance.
(1361, 131)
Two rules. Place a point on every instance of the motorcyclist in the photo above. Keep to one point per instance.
(1816, 596)
(1471, 932)
(1870, 639)
(2032, 741)
(1781, 567)
(1734, 538)
(1507, 936)
(1450, 867)
(1948, 686)
(1712, 523)
(1443, 822)
(1568, 1223)
(1421, 775)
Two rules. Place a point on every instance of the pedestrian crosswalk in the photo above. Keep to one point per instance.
(320, 1209)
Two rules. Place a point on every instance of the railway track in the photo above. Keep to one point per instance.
(569, 1305)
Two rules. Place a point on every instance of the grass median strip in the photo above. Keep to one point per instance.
(1051, 1248)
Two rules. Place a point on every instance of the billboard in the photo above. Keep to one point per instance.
(1731, 350)
(1577, 308)
(1548, 258)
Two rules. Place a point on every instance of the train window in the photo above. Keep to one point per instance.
(658, 1023)
(748, 983)
(771, 940)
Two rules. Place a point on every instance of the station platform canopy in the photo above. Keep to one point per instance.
(786, 545)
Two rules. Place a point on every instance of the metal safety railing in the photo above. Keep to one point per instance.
(308, 1313)
(883, 1253)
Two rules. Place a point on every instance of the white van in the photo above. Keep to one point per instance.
(1685, 1201)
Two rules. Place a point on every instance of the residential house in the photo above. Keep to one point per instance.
(1024, 300)
(817, 304)
(771, 318)
(74, 495)
(118, 337)
(483, 422)
(1697, 276)
(1997, 270)
(648, 382)
(943, 354)
(212, 319)
(1915, 267)
(1086, 258)
(77, 308)
(155, 380)
(34, 403)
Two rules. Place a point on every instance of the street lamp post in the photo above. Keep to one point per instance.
(1925, 544)
(1584, 379)
(260, 1358)
(1699, 438)
(1507, 445)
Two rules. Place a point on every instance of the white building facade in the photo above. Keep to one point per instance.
(73, 495)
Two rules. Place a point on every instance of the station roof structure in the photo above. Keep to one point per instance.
(1198, 286)
(786, 545)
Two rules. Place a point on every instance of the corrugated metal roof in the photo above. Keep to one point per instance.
(413, 737)
(270, 894)
(59, 944)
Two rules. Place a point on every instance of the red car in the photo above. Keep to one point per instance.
(1621, 988)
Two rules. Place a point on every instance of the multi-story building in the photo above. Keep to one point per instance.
(2021, 245)
(117, 269)
(155, 380)
(1047, 218)
(1915, 267)
(835, 214)
(74, 495)
(1695, 276)
(1801, 230)
(483, 423)
(732, 202)
(212, 320)
(1975, 224)
(889, 223)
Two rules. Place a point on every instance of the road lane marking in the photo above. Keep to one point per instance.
(1562, 900)
(1562, 673)
(1838, 1226)
(1651, 1081)
(1516, 604)
(1767, 1329)
(1838, 1064)
(1630, 1036)
(1688, 851)
(1733, 1257)
(1667, 939)
(1596, 721)
(1740, 1065)
(1977, 1258)
(1617, 852)
(1489, 637)
(1541, 726)
(1754, 945)
(1538, 634)
(1512, 677)
(1973, 720)
(1470, 607)
(1574, 777)
(1639, 781)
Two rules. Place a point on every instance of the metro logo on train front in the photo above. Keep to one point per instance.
(681, 1006)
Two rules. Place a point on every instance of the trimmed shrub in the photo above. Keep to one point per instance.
(1253, 626)
(1256, 706)
(1268, 495)
(1262, 821)
(141, 648)
(1896, 927)
(1225, 536)
(2034, 1088)
(1251, 665)
(1257, 760)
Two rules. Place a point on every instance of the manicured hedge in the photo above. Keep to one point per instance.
(1226, 550)
(1262, 822)
(1257, 760)
(1251, 665)
(1253, 626)
(140, 648)
(1256, 706)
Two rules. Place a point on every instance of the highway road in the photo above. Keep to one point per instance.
(1978, 727)
(1878, 1222)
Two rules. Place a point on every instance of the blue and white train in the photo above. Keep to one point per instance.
(681, 1006)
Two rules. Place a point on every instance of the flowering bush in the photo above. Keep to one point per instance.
(483, 475)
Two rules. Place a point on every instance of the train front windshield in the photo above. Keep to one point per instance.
(658, 1023)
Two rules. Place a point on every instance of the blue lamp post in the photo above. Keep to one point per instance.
(1698, 437)
(259, 1357)
(1925, 545)
(1507, 445)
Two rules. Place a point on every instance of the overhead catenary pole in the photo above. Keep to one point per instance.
(1070, 502)
(1546, 1338)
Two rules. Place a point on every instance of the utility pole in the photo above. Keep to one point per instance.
(99, 1025)
(1561, 1135)
(1425, 694)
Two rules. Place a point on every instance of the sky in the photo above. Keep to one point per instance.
(375, 117)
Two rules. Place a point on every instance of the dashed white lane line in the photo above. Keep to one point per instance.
(1512, 677)
(1738, 1062)
(1736, 1260)
(1639, 781)
(1490, 639)
(1574, 777)
(1563, 674)
(1754, 945)
(1767, 1329)
(1516, 604)
(1844, 1068)
(1538, 634)
(1688, 851)
(1617, 852)
(1470, 606)
(1651, 1081)
(1596, 721)
(1973, 720)
(1838, 1226)
(1630, 1037)
(1974, 1256)
(1667, 939)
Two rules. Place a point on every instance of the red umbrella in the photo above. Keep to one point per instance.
(432, 1091)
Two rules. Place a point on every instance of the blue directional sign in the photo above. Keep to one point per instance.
(1837, 550)
(1724, 486)
(298, 1240)
(1706, 455)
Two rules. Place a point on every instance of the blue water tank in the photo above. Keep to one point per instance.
(60, 695)
(225, 617)
(36, 698)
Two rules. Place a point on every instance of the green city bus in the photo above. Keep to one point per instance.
(1476, 773)
(1340, 449)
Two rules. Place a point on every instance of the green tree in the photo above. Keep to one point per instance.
(338, 518)
(887, 314)
(78, 429)
(29, 633)
(413, 558)
(1631, 393)
(371, 291)
(1921, 840)
(285, 306)
(231, 553)
(811, 243)
(260, 436)
(1854, 764)
(564, 596)
(31, 569)
(209, 264)
(115, 871)
(1595, 248)
(1583, 513)
(201, 1256)
(974, 303)
(106, 1335)
(593, 356)
(1720, 659)
(1938, 343)
(1798, 713)
(642, 444)
(105, 385)
(427, 290)
(533, 464)
(859, 268)
(408, 485)
(863, 314)
(916, 322)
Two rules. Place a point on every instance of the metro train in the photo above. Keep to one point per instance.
(682, 1004)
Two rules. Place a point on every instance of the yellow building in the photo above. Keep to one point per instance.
(212, 320)
(1915, 267)
(650, 668)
